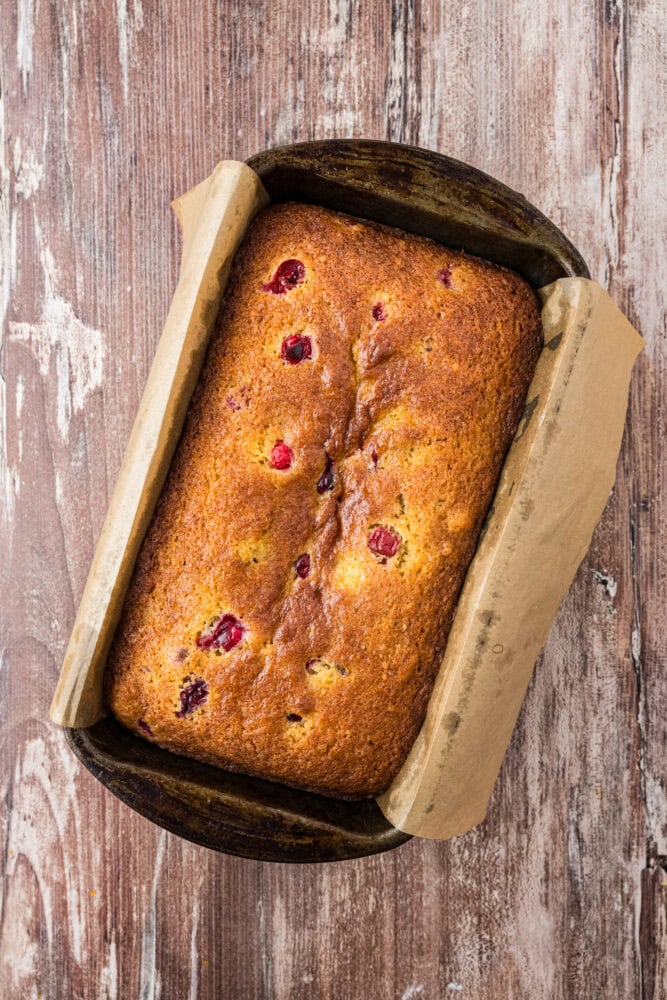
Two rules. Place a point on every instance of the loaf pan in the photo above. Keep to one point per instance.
(424, 193)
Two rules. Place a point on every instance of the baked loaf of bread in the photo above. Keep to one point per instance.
(291, 601)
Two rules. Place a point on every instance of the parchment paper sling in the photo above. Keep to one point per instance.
(554, 486)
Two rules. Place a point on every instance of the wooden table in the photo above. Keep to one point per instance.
(110, 110)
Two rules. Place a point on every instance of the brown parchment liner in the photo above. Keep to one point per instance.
(555, 483)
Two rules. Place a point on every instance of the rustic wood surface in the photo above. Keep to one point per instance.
(110, 109)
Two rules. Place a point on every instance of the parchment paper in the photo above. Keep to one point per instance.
(555, 483)
(214, 217)
(554, 486)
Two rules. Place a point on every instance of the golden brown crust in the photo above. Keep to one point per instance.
(416, 410)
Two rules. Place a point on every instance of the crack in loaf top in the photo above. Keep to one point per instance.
(294, 592)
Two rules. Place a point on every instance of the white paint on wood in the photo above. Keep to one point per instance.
(39, 824)
(20, 948)
(68, 40)
(20, 393)
(138, 15)
(656, 809)
(7, 222)
(607, 581)
(340, 78)
(61, 342)
(9, 479)
(412, 991)
(434, 96)
(59, 489)
(123, 42)
(149, 986)
(28, 171)
(535, 928)
(279, 965)
(127, 26)
(194, 953)
(644, 261)
(109, 974)
(636, 643)
(616, 10)
(610, 586)
(24, 39)
(266, 957)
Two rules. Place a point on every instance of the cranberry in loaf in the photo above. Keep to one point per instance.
(292, 598)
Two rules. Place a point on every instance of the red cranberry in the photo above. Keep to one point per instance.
(374, 458)
(295, 348)
(281, 456)
(379, 312)
(225, 633)
(302, 566)
(232, 404)
(384, 541)
(293, 717)
(311, 665)
(326, 480)
(192, 697)
(445, 276)
(288, 275)
(144, 727)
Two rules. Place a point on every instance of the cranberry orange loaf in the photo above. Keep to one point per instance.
(293, 595)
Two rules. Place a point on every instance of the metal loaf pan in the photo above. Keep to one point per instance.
(421, 192)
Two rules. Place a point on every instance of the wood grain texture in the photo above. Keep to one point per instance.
(109, 110)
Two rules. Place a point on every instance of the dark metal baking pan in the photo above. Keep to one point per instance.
(424, 193)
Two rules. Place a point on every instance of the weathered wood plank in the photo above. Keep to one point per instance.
(108, 111)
